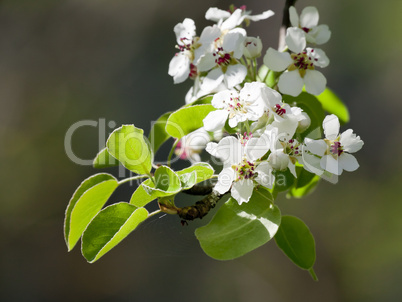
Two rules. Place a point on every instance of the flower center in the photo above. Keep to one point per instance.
(306, 29)
(243, 139)
(236, 106)
(336, 149)
(291, 148)
(302, 62)
(279, 110)
(244, 170)
(187, 44)
(222, 58)
(193, 71)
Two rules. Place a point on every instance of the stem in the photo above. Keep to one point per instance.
(154, 213)
(255, 69)
(285, 24)
(172, 151)
(132, 178)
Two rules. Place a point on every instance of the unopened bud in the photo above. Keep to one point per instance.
(304, 123)
(253, 47)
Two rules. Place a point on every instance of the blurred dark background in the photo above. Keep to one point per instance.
(66, 61)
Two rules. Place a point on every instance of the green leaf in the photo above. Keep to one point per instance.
(204, 171)
(188, 180)
(296, 241)
(187, 120)
(283, 181)
(86, 202)
(262, 73)
(238, 229)
(110, 227)
(201, 101)
(313, 108)
(333, 105)
(140, 197)
(104, 160)
(158, 135)
(167, 183)
(304, 183)
(128, 145)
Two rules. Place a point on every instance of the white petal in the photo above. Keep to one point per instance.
(206, 62)
(235, 74)
(319, 34)
(319, 54)
(225, 180)
(295, 39)
(208, 36)
(185, 30)
(222, 98)
(331, 126)
(331, 165)
(211, 148)
(230, 151)
(290, 83)
(263, 16)
(309, 17)
(242, 190)
(216, 14)
(292, 168)
(271, 97)
(277, 61)
(233, 42)
(234, 20)
(315, 82)
(257, 147)
(350, 142)
(348, 162)
(265, 176)
(278, 160)
(317, 147)
(293, 16)
(311, 163)
(253, 47)
(286, 126)
(212, 80)
(215, 120)
(179, 67)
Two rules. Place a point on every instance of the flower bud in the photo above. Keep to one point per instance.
(253, 47)
(278, 160)
(303, 123)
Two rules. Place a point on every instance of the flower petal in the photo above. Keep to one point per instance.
(206, 62)
(257, 147)
(242, 190)
(277, 61)
(179, 67)
(235, 74)
(215, 120)
(316, 53)
(215, 14)
(315, 82)
(233, 42)
(331, 165)
(331, 126)
(185, 31)
(265, 176)
(222, 98)
(309, 17)
(212, 80)
(295, 39)
(263, 16)
(350, 142)
(293, 16)
(317, 147)
(319, 34)
(290, 83)
(348, 162)
(234, 20)
(230, 151)
(225, 180)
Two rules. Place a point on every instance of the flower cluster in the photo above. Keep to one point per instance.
(262, 131)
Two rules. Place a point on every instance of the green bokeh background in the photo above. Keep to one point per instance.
(66, 61)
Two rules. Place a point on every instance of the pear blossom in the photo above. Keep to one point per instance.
(334, 152)
(308, 22)
(237, 106)
(299, 67)
(181, 67)
(190, 146)
(252, 47)
(241, 166)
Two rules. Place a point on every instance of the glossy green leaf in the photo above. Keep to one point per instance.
(283, 181)
(158, 135)
(238, 229)
(128, 145)
(104, 160)
(296, 241)
(313, 108)
(167, 183)
(110, 227)
(86, 202)
(187, 120)
(188, 180)
(204, 171)
(299, 192)
(140, 197)
(333, 105)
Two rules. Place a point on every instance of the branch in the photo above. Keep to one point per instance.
(199, 190)
(285, 24)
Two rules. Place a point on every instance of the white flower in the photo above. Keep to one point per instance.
(241, 166)
(237, 106)
(308, 22)
(334, 152)
(181, 67)
(299, 66)
(190, 146)
(226, 20)
(252, 47)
